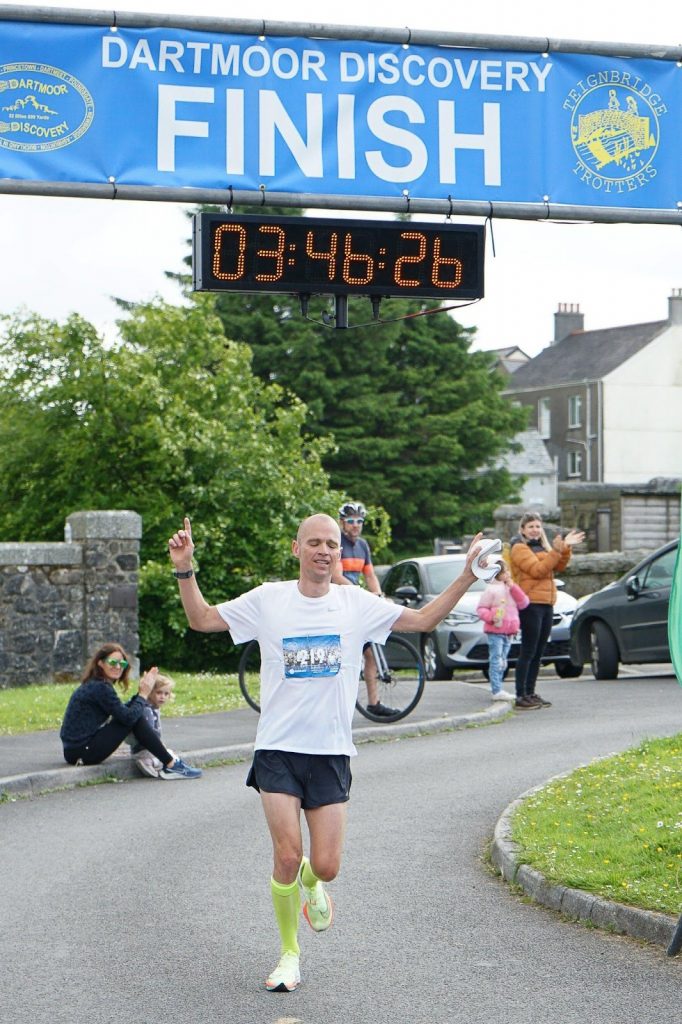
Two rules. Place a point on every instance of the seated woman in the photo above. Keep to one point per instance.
(97, 721)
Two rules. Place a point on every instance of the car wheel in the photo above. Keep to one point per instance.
(567, 670)
(433, 663)
(603, 652)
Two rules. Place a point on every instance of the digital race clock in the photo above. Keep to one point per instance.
(317, 256)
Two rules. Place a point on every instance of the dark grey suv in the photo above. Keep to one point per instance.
(626, 621)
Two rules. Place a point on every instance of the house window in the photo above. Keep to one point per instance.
(544, 418)
(575, 411)
(575, 463)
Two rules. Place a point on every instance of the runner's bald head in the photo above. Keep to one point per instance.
(317, 522)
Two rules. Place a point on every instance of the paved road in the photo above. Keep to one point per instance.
(148, 901)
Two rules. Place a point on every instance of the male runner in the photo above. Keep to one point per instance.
(311, 634)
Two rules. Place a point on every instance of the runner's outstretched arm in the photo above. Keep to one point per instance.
(423, 620)
(201, 616)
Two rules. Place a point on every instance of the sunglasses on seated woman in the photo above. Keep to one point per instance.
(117, 662)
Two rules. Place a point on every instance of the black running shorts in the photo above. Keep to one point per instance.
(316, 779)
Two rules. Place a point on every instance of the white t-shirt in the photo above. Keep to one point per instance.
(311, 655)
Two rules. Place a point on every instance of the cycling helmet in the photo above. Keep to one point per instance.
(352, 508)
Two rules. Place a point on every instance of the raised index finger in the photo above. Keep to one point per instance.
(188, 526)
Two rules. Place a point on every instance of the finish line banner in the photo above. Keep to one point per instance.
(176, 108)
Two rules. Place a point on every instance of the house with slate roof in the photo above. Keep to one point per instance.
(533, 462)
(608, 403)
(509, 359)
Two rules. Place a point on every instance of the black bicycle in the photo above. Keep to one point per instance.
(400, 678)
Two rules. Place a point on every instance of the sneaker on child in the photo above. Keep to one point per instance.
(179, 770)
(503, 695)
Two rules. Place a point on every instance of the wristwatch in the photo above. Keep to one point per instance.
(183, 575)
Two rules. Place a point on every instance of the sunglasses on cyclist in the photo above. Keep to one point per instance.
(116, 662)
(352, 521)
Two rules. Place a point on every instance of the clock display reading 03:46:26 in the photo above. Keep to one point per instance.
(319, 256)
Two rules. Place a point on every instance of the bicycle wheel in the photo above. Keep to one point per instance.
(401, 681)
(249, 674)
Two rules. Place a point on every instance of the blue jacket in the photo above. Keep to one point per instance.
(90, 706)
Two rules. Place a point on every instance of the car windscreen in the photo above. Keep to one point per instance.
(440, 574)
(660, 572)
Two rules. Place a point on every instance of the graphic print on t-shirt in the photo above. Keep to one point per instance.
(306, 656)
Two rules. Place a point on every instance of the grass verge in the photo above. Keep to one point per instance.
(613, 828)
(34, 708)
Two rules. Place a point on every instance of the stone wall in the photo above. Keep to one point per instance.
(587, 573)
(615, 517)
(59, 601)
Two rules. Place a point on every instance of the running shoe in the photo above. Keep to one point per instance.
(503, 695)
(286, 975)
(382, 710)
(318, 908)
(179, 770)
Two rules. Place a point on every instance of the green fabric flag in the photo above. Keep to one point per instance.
(675, 613)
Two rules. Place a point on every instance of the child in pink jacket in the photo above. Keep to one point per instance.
(499, 608)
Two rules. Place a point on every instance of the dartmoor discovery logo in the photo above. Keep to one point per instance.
(614, 130)
(42, 108)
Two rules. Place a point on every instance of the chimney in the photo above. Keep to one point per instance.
(675, 306)
(567, 319)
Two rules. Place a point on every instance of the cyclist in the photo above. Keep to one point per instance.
(356, 561)
(304, 739)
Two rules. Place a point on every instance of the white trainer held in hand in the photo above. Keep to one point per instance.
(488, 562)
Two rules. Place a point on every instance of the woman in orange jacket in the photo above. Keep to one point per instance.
(533, 562)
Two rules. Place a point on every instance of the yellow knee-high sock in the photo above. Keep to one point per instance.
(287, 903)
(308, 876)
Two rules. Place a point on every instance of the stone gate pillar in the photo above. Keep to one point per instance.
(111, 559)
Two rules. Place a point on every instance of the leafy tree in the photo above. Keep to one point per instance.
(418, 419)
(433, 433)
(168, 422)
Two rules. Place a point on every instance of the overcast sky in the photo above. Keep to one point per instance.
(617, 273)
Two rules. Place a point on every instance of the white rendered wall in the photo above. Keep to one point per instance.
(540, 490)
(642, 413)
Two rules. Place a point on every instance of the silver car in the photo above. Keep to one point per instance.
(458, 642)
